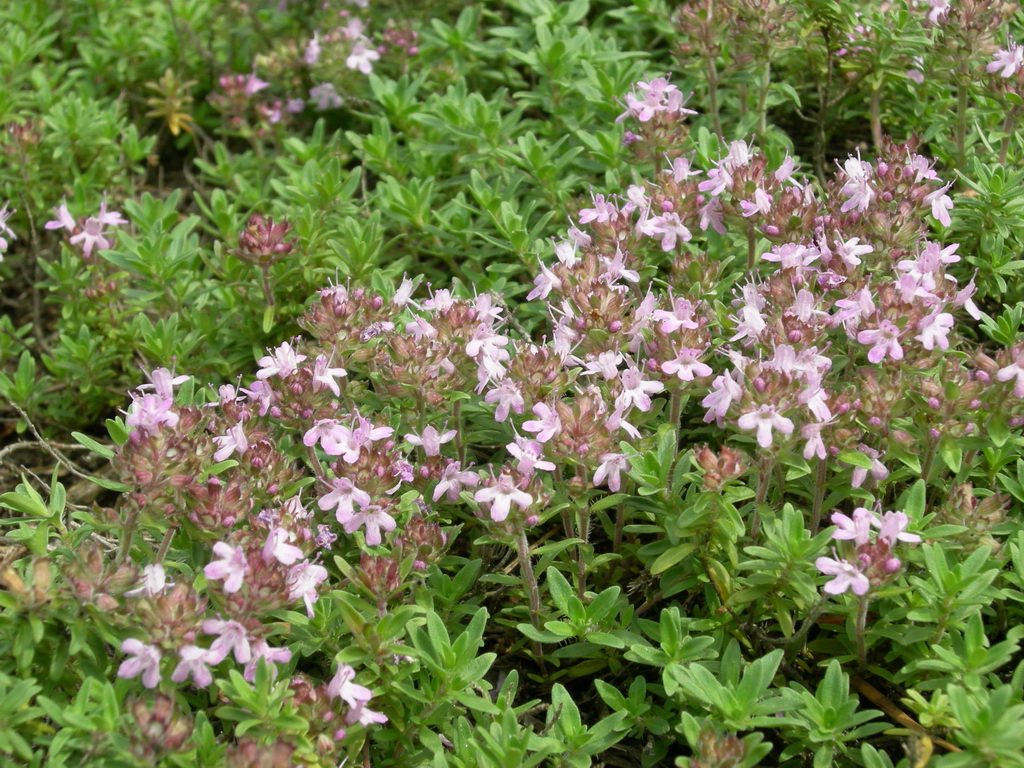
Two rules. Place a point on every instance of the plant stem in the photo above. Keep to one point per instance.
(961, 120)
(763, 480)
(712, 75)
(165, 544)
(126, 537)
(532, 590)
(581, 560)
(820, 486)
(876, 117)
(751, 248)
(460, 447)
(762, 101)
(620, 521)
(1004, 148)
(862, 620)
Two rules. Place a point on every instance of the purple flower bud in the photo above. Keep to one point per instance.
(1017, 421)
(771, 230)
(934, 433)
(760, 385)
(983, 377)
(892, 565)
(887, 196)
(615, 326)
(795, 336)
(667, 206)
(532, 520)
(969, 429)
(975, 404)
(874, 421)
(934, 402)
(882, 168)
(377, 302)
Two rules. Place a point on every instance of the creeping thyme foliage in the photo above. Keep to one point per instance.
(523, 384)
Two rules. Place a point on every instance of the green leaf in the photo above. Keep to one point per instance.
(92, 445)
(671, 556)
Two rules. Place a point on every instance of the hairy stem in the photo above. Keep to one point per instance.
(820, 486)
(532, 590)
(862, 620)
(961, 120)
(762, 101)
(876, 117)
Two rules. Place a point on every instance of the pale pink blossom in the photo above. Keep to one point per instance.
(431, 440)
(261, 650)
(636, 391)
(686, 366)
(231, 638)
(1007, 60)
(885, 341)
(324, 376)
(501, 494)
(282, 362)
(277, 547)
(610, 470)
(145, 661)
(194, 661)
(935, 330)
(341, 497)
(361, 57)
(845, 576)
(765, 419)
(546, 425)
(856, 528)
(303, 579)
(230, 566)
(374, 518)
(234, 440)
(453, 479)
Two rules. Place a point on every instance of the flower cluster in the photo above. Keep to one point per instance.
(872, 541)
(88, 234)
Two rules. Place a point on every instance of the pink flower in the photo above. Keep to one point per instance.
(431, 440)
(762, 203)
(792, 255)
(1014, 371)
(145, 661)
(277, 548)
(231, 566)
(846, 576)
(856, 529)
(234, 440)
(303, 579)
(885, 341)
(686, 365)
(668, 227)
(261, 650)
(154, 582)
(150, 412)
(530, 454)
(547, 424)
(857, 187)
(361, 58)
(374, 518)
(342, 496)
(543, 284)
(815, 445)
(851, 250)
(681, 316)
(1007, 60)
(323, 377)
(63, 219)
(343, 686)
(764, 420)
(636, 392)
(231, 637)
(193, 664)
(893, 527)
(610, 469)
(941, 204)
(606, 364)
(724, 391)
(935, 330)
(877, 470)
(282, 362)
(453, 479)
(501, 495)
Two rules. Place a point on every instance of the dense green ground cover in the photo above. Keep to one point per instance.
(511, 384)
